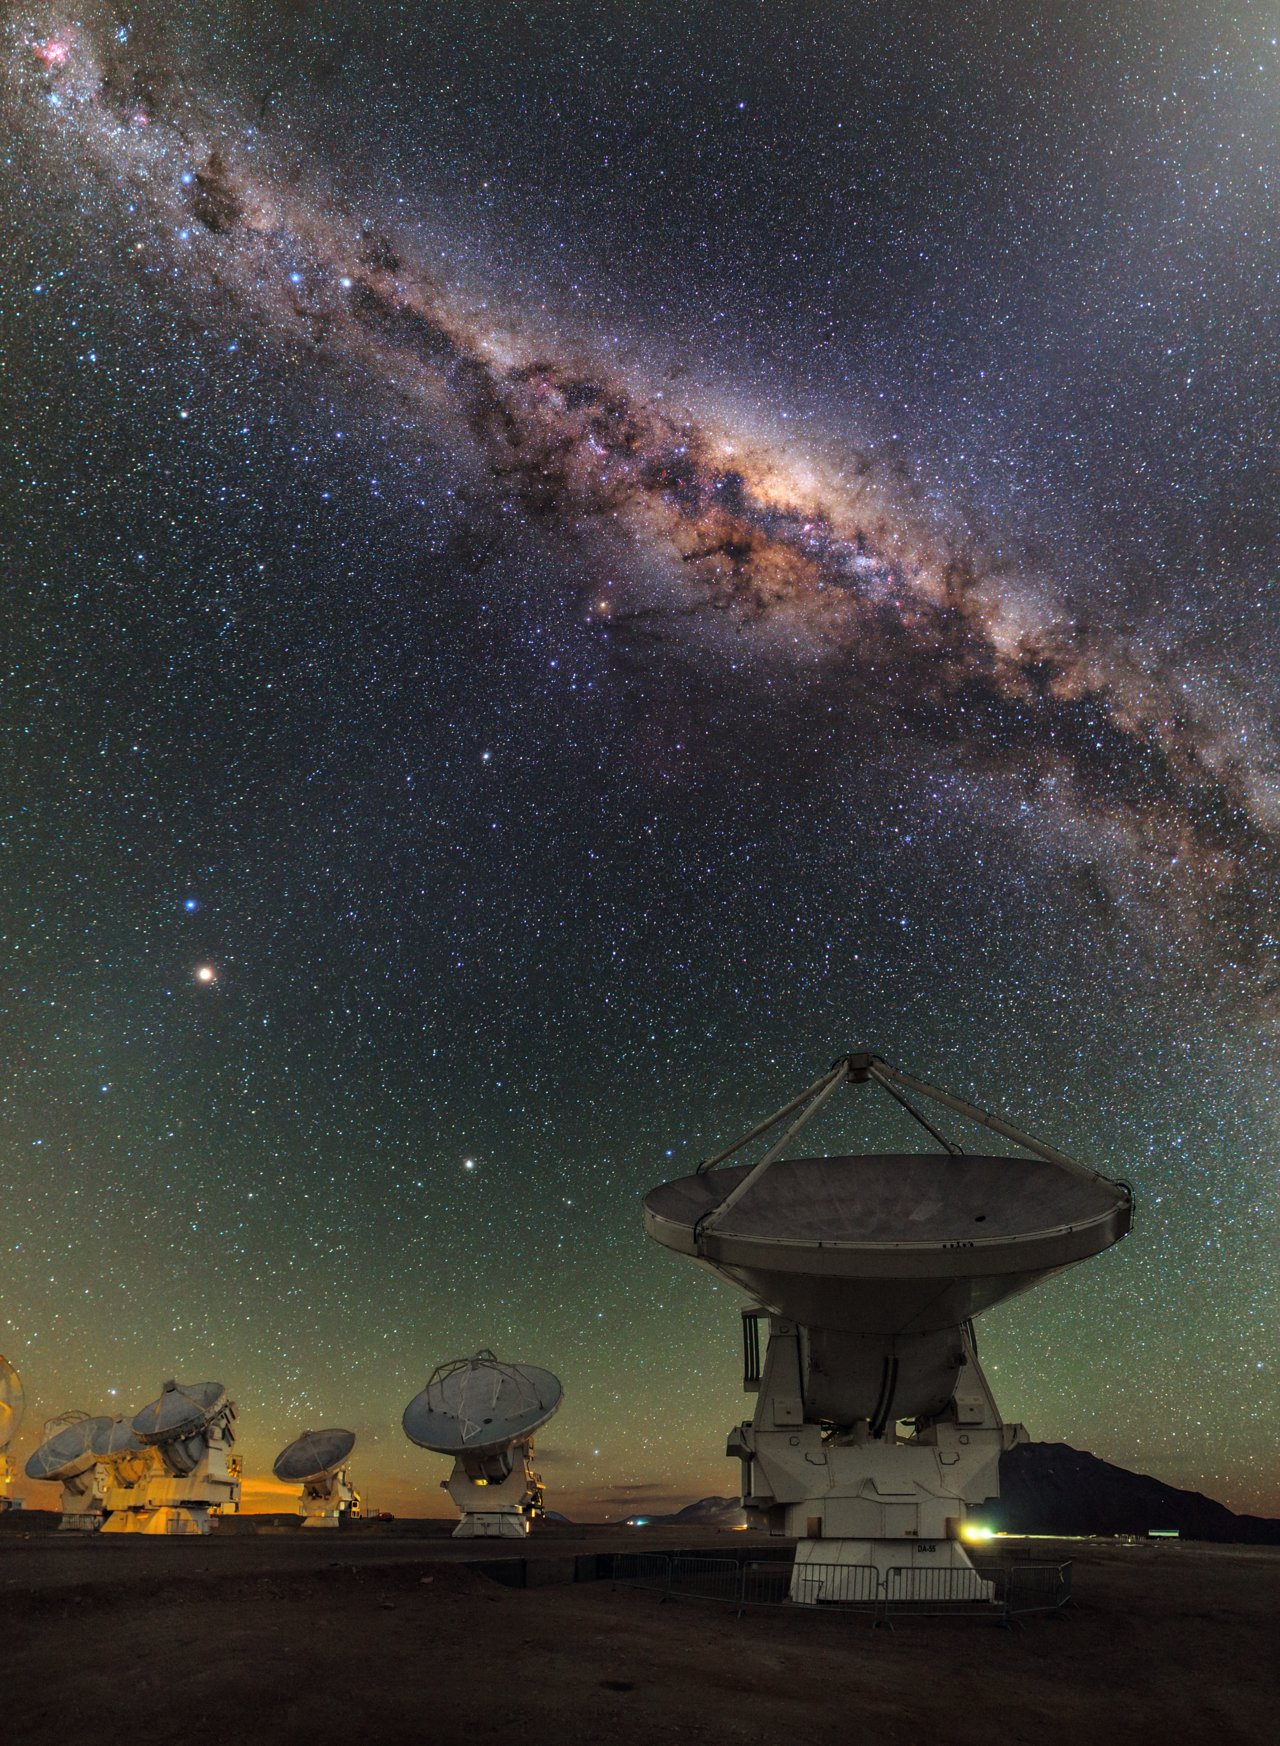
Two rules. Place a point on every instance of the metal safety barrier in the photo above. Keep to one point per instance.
(1002, 1591)
(1036, 1588)
(922, 1586)
(764, 1584)
(997, 1593)
(835, 1585)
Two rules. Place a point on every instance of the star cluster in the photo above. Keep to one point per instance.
(564, 570)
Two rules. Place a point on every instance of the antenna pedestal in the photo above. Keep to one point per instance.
(82, 1502)
(495, 1508)
(324, 1502)
(875, 1516)
(160, 1501)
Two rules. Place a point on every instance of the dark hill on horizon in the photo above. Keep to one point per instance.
(1051, 1488)
(708, 1512)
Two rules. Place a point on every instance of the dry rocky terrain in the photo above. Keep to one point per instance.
(350, 1640)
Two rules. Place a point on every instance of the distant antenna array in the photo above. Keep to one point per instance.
(875, 1433)
(169, 1471)
(484, 1413)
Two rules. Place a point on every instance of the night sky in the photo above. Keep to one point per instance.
(578, 560)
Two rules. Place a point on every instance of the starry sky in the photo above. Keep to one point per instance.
(563, 565)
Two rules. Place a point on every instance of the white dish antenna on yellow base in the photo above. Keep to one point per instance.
(192, 1476)
(484, 1413)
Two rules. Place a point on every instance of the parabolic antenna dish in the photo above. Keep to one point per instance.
(68, 1453)
(184, 1410)
(889, 1243)
(479, 1406)
(12, 1402)
(114, 1439)
(313, 1455)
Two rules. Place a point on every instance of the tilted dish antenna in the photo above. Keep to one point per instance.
(484, 1413)
(67, 1453)
(192, 1476)
(180, 1420)
(120, 1449)
(317, 1461)
(67, 1457)
(12, 1405)
(114, 1439)
(869, 1270)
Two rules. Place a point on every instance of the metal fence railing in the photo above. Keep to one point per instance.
(835, 1585)
(994, 1592)
(1036, 1588)
(927, 1587)
(764, 1584)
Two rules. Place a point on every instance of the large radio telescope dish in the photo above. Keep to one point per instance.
(313, 1456)
(868, 1272)
(115, 1439)
(183, 1410)
(68, 1453)
(890, 1242)
(171, 1468)
(479, 1406)
(179, 1422)
(12, 1403)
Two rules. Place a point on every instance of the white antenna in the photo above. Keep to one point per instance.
(869, 1271)
(317, 1461)
(180, 1473)
(484, 1414)
(12, 1405)
(67, 1457)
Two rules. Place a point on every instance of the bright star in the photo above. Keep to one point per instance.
(206, 973)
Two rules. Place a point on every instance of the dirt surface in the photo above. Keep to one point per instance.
(367, 1640)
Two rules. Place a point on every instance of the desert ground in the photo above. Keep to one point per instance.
(358, 1639)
